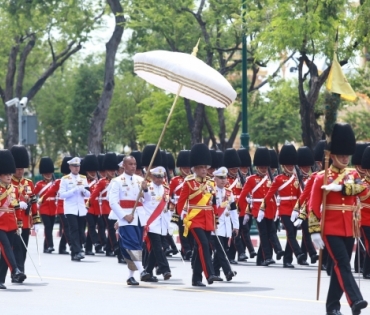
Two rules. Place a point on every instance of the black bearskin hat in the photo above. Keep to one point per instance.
(138, 156)
(183, 158)
(200, 155)
(64, 167)
(110, 161)
(220, 157)
(215, 163)
(164, 159)
(262, 157)
(20, 156)
(342, 140)
(288, 155)
(357, 156)
(90, 163)
(305, 157)
(120, 158)
(245, 157)
(170, 161)
(147, 155)
(100, 160)
(7, 163)
(231, 159)
(319, 150)
(365, 162)
(273, 158)
(46, 165)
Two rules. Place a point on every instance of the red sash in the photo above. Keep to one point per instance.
(220, 210)
(157, 211)
(129, 204)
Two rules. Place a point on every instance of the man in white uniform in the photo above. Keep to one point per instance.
(74, 189)
(123, 192)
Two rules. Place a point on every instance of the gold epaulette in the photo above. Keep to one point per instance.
(36, 219)
(313, 223)
(189, 177)
(166, 186)
(352, 189)
(83, 176)
(66, 176)
(28, 180)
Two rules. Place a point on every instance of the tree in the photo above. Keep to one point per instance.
(95, 140)
(29, 28)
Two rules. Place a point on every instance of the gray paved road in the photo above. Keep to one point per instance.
(97, 286)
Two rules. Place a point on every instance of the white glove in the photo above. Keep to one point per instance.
(19, 231)
(317, 240)
(248, 200)
(294, 215)
(298, 223)
(332, 187)
(81, 188)
(261, 215)
(37, 228)
(183, 214)
(23, 205)
(246, 219)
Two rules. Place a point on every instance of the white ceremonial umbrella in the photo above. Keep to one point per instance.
(184, 75)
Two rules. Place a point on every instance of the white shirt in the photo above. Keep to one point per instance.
(152, 198)
(126, 187)
(73, 194)
(229, 218)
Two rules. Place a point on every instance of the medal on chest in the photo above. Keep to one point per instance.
(296, 184)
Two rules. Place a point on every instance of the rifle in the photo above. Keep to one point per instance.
(300, 177)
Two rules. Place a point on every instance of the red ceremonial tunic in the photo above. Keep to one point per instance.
(53, 192)
(9, 208)
(257, 196)
(192, 192)
(306, 193)
(92, 208)
(176, 185)
(339, 207)
(47, 205)
(98, 203)
(26, 193)
(288, 195)
(234, 184)
(365, 205)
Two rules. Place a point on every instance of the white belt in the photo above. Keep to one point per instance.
(102, 198)
(256, 199)
(288, 198)
(50, 198)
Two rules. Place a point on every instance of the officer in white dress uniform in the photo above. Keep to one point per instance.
(74, 189)
(123, 192)
(228, 222)
(156, 197)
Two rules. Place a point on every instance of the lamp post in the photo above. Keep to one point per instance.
(20, 104)
(244, 137)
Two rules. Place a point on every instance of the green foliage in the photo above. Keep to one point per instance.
(359, 121)
(274, 116)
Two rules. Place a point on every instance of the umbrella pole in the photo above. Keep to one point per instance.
(158, 144)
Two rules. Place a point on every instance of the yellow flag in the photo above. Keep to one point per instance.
(337, 82)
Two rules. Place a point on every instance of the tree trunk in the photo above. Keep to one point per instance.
(196, 132)
(95, 140)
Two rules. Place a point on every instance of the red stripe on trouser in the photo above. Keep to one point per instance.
(367, 244)
(5, 257)
(201, 254)
(336, 269)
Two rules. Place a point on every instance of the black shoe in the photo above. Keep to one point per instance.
(314, 258)
(301, 259)
(366, 276)
(253, 254)
(213, 278)
(48, 250)
(358, 306)
(63, 252)
(242, 257)
(2, 286)
(233, 262)
(152, 279)
(323, 267)
(270, 262)
(76, 257)
(168, 252)
(109, 254)
(18, 276)
(288, 265)
(230, 275)
(188, 255)
(334, 312)
(279, 254)
(198, 284)
(157, 272)
(175, 251)
(304, 263)
(89, 253)
(121, 261)
(167, 275)
(132, 281)
(144, 275)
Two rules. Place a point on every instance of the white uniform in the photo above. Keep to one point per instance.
(126, 188)
(228, 217)
(152, 198)
(73, 194)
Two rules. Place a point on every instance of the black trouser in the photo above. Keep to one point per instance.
(220, 260)
(92, 221)
(272, 233)
(167, 242)
(244, 232)
(77, 227)
(156, 255)
(341, 280)
(306, 244)
(359, 256)
(101, 231)
(201, 257)
(65, 233)
(20, 251)
(48, 222)
(265, 246)
(292, 245)
(187, 243)
(112, 243)
(366, 235)
(7, 256)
